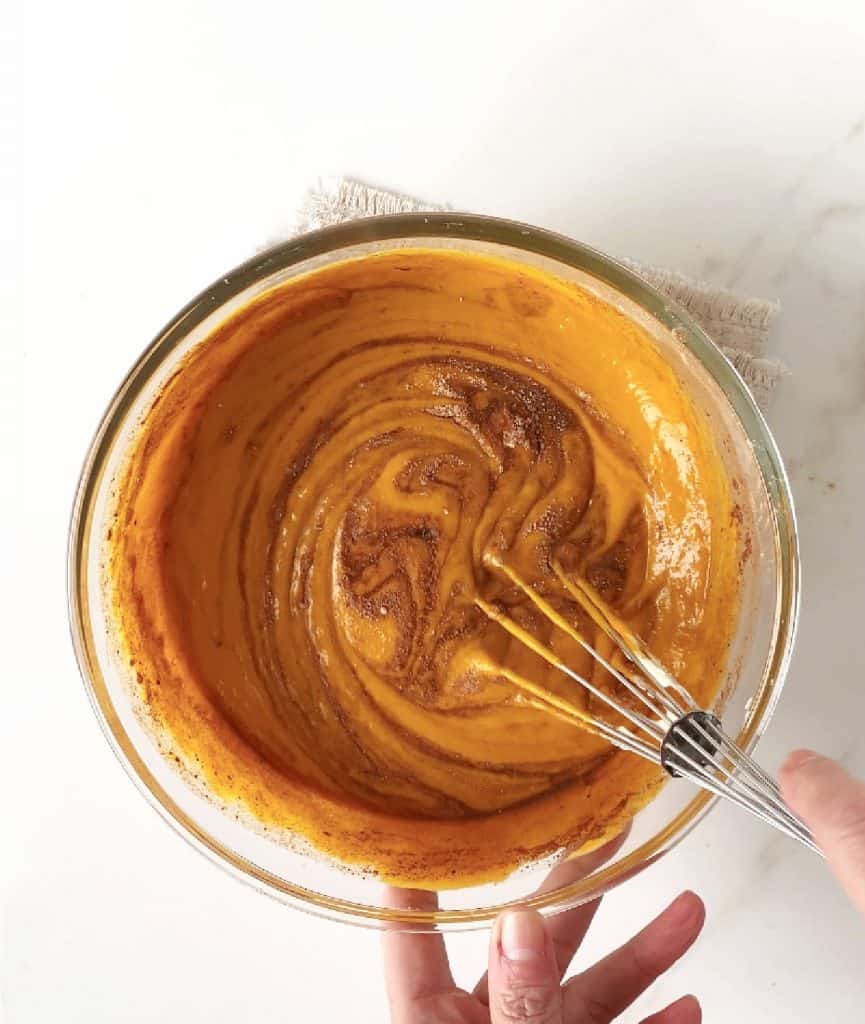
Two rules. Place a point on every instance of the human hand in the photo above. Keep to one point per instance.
(832, 804)
(528, 956)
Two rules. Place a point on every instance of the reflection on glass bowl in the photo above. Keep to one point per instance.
(758, 656)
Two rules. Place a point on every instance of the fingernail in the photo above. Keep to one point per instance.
(523, 936)
(682, 909)
(685, 1009)
(799, 758)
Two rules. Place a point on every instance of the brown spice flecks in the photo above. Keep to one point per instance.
(313, 496)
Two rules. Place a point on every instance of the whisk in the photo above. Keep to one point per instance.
(665, 726)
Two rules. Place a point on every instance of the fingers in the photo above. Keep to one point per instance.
(569, 928)
(601, 993)
(523, 974)
(567, 931)
(683, 1011)
(415, 966)
(832, 804)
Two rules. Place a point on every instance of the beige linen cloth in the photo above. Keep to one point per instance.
(740, 326)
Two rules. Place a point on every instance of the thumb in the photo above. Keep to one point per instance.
(832, 804)
(523, 976)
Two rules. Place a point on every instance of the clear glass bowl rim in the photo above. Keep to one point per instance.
(398, 229)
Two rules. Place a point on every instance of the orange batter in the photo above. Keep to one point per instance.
(302, 531)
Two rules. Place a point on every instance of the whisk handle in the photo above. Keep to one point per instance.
(694, 732)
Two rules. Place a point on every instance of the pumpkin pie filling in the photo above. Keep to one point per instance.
(307, 517)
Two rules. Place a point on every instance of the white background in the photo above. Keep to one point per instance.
(148, 147)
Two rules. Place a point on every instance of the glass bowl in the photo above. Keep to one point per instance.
(758, 657)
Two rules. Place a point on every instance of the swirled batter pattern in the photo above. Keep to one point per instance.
(307, 521)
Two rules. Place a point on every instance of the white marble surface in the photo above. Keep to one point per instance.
(149, 147)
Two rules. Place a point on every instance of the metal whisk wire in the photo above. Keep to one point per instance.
(670, 730)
